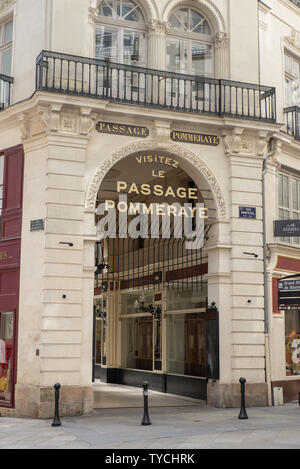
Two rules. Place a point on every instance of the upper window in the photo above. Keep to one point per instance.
(6, 36)
(190, 44)
(186, 19)
(120, 10)
(292, 80)
(289, 200)
(121, 32)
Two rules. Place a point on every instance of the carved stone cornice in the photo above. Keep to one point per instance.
(239, 142)
(4, 4)
(54, 119)
(293, 40)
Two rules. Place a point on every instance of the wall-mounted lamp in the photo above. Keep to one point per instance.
(154, 310)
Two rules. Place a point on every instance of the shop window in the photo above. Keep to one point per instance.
(6, 356)
(289, 200)
(137, 343)
(186, 344)
(121, 32)
(292, 342)
(292, 80)
(141, 333)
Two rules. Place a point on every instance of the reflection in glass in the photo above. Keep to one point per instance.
(100, 332)
(130, 303)
(183, 298)
(6, 355)
(186, 344)
(292, 342)
(137, 343)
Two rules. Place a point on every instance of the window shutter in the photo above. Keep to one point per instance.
(11, 223)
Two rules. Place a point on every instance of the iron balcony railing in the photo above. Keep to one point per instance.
(5, 91)
(128, 84)
(292, 116)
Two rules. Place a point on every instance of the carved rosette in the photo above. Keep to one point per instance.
(151, 145)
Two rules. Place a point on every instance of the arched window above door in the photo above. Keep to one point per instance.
(190, 43)
(189, 20)
(120, 10)
(121, 32)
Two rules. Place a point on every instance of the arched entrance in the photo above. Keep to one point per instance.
(151, 316)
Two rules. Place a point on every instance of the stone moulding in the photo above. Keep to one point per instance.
(4, 4)
(176, 150)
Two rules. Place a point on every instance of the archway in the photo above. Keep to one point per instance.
(151, 290)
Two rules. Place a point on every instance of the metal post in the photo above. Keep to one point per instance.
(243, 414)
(56, 421)
(146, 418)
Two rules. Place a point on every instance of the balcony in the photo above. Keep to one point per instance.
(5, 91)
(95, 78)
(292, 116)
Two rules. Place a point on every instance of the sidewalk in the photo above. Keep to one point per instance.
(180, 427)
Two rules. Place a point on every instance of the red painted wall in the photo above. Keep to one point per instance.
(10, 242)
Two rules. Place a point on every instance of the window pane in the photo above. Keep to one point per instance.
(292, 342)
(202, 59)
(186, 344)
(177, 52)
(134, 47)
(287, 64)
(107, 43)
(6, 355)
(8, 32)
(198, 24)
(183, 299)
(6, 62)
(296, 194)
(120, 9)
(137, 343)
(130, 303)
(286, 195)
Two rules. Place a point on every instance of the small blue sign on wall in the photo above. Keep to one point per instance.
(248, 212)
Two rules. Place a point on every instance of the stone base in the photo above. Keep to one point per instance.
(38, 403)
(229, 395)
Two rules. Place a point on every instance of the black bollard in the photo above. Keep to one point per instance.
(146, 418)
(56, 422)
(243, 414)
(299, 398)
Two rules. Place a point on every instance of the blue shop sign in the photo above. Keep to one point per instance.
(248, 212)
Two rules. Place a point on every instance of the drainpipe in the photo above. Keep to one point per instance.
(266, 285)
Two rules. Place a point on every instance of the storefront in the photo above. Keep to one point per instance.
(11, 184)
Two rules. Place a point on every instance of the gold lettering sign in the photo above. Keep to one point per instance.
(122, 129)
(200, 139)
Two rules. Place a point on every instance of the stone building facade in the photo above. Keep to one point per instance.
(162, 101)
